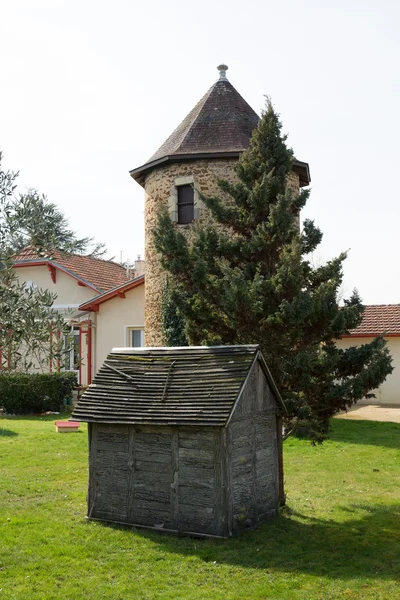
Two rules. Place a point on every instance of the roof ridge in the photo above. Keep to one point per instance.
(379, 305)
(47, 255)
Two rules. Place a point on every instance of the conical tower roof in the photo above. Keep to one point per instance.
(219, 126)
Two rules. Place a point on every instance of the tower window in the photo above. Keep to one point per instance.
(185, 204)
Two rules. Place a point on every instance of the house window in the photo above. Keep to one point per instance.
(71, 350)
(135, 337)
(185, 204)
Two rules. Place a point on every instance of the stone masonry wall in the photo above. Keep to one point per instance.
(159, 186)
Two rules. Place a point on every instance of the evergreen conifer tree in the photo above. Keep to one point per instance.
(173, 322)
(247, 278)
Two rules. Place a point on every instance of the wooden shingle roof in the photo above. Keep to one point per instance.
(169, 386)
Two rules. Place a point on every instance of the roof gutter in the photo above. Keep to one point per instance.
(139, 174)
(93, 304)
(46, 261)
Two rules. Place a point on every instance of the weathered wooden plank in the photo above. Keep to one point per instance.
(174, 492)
(153, 457)
(195, 458)
(153, 505)
(114, 432)
(197, 420)
(160, 477)
(154, 429)
(243, 472)
(264, 456)
(240, 429)
(131, 473)
(226, 527)
(196, 514)
(254, 468)
(145, 494)
(279, 446)
(203, 496)
(205, 455)
(197, 440)
(105, 448)
(181, 396)
(109, 458)
(112, 499)
(154, 444)
(151, 517)
(113, 496)
(218, 495)
(241, 455)
(91, 499)
(148, 466)
(106, 515)
(202, 474)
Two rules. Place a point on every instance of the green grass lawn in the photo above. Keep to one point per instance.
(338, 537)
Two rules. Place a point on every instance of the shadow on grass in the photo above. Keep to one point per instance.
(363, 547)
(7, 432)
(373, 433)
(64, 416)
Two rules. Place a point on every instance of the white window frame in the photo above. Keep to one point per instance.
(128, 337)
(198, 204)
(69, 356)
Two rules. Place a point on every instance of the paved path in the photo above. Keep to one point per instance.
(372, 412)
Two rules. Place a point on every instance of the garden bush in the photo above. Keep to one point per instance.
(24, 393)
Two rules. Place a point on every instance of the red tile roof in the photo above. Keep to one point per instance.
(379, 319)
(102, 275)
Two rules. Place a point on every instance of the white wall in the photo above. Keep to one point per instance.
(66, 287)
(113, 318)
(389, 391)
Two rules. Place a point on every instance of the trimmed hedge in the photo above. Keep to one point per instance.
(24, 393)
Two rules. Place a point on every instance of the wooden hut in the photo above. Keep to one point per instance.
(184, 439)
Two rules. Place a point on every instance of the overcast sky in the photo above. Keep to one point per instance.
(90, 90)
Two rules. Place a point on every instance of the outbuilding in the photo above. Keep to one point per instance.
(184, 439)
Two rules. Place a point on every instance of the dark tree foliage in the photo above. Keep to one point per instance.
(248, 279)
(32, 220)
(173, 322)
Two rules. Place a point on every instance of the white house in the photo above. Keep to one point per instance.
(380, 319)
(102, 302)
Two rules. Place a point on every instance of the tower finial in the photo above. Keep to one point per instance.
(222, 72)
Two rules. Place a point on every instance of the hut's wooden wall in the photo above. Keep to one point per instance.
(169, 477)
(108, 472)
(252, 465)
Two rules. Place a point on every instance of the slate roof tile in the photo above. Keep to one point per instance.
(221, 124)
(221, 121)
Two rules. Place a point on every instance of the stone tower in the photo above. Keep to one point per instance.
(203, 148)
